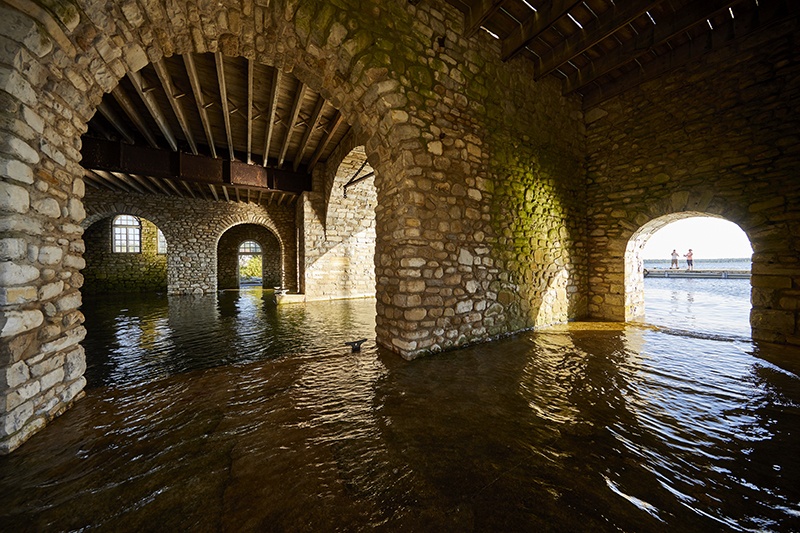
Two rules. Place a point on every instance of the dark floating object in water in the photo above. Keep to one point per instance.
(356, 345)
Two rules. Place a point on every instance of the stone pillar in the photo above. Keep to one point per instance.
(41, 361)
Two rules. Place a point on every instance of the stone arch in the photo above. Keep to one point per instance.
(287, 250)
(273, 256)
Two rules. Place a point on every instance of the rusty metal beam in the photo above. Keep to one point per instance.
(311, 125)
(174, 101)
(223, 96)
(290, 125)
(273, 107)
(197, 89)
(336, 122)
(115, 121)
(692, 14)
(479, 14)
(768, 13)
(592, 33)
(150, 102)
(549, 12)
(127, 105)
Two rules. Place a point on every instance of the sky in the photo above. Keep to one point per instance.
(709, 238)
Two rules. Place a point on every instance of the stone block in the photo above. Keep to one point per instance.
(13, 421)
(17, 295)
(13, 323)
(13, 198)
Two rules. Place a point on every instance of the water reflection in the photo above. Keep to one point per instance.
(264, 420)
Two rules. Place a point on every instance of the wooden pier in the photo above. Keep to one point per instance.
(700, 274)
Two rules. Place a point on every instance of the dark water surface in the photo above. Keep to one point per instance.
(225, 413)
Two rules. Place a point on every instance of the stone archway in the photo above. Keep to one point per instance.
(228, 257)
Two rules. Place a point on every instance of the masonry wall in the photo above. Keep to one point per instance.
(193, 229)
(717, 137)
(228, 256)
(110, 272)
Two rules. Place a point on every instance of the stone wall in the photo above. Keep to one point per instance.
(109, 272)
(339, 230)
(193, 228)
(718, 137)
(228, 256)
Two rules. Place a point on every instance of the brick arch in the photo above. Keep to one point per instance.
(273, 270)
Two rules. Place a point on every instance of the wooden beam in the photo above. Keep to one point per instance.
(768, 13)
(549, 12)
(115, 121)
(250, 76)
(197, 89)
(223, 95)
(158, 184)
(213, 191)
(150, 102)
(111, 178)
(290, 125)
(225, 192)
(273, 107)
(592, 33)
(143, 183)
(173, 96)
(336, 121)
(311, 126)
(97, 180)
(691, 14)
(189, 189)
(479, 14)
(127, 106)
(174, 187)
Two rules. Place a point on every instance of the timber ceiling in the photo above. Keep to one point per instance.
(230, 129)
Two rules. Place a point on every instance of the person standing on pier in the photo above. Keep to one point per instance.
(689, 261)
(674, 260)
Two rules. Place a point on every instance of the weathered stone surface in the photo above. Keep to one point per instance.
(15, 322)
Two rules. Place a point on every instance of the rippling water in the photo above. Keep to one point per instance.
(226, 413)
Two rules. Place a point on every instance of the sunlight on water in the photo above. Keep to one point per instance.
(228, 413)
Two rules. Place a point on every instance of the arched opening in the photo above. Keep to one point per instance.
(249, 255)
(251, 264)
(691, 272)
(124, 253)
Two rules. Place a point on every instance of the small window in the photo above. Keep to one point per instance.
(162, 243)
(127, 235)
(249, 247)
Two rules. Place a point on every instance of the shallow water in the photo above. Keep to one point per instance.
(225, 413)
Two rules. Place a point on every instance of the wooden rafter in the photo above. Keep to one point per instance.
(213, 191)
(173, 96)
(115, 121)
(290, 125)
(223, 95)
(479, 14)
(609, 22)
(130, 110)
(250, 76)
(174, 187)
(692, 14)
(197, 89)
(144, 183)
(150, 102)
(543, 18)
(273, 107)
(311, 125)
(323, 143)
(734, 28)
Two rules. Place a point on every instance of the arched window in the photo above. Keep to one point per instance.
(127, 234)
(162, 243)
(249, 247)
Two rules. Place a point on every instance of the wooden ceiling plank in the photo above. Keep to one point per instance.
(250, 77)
(120, 184)
(158, 184)
(189, 189)
(174, 187)
(197, 89)
(547, 14)
(273, 107)
(311, 126)
(115, 121)
(127, 105)
(691, 15)
(744, 24)
(323, 143)
(479, 14)
(260, 193)
(236, 190)
(213, 191)
(223, 95)
(592, 33)
(143, 183)
(130, 181)
(174, 102)
(290, 126)
(93, 176)
(225, 192)
(150, 102)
